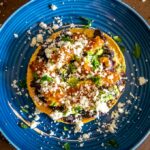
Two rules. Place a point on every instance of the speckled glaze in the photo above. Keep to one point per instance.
(111, 16)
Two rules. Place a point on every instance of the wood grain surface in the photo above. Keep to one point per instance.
(7, 7)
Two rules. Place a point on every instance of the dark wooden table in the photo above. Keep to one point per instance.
(7, 7)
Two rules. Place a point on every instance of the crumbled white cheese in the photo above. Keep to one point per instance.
(78, 126)
(34, 124)
(37, 112)
(112, 127)
(36, 118)
(56, 115)
(43, 25)
(39, 38)
(33, 42)
(53, 7)
(101, 106)
(16, 35)
(14, 84)
(48, 53)
(81, 144)
(72, 25)
(86, 136)
(55, 26)
(29, 32)
(142, 80)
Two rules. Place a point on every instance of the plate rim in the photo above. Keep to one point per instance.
(119, 1)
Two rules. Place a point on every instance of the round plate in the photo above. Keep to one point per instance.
(111, 16)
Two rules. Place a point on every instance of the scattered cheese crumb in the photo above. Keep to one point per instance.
(55, 26)
(39, 38)
(43, 25)
(16, 35)
(33, 42)
(142, 80)
(34, 124)
(86, 136)
(53, 7)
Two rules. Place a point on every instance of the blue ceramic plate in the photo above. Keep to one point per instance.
(111, 16)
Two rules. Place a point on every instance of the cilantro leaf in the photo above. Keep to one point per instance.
(53, 104)
(137, 50)
(35, 75)
(95, 62)
(113, 143)
(23, 125)
(73, 81)
(122, 48)
(117, 39)
(67, 38)
(96, 80)
(67, 146)
(24, 110)
(22, 84)
(46, 78)
(65, 128)
(87, 21)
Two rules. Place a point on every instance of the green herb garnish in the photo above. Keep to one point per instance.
(137, 50)
(24, 110)
(67, 38)
(65, 128)
(67, 146)
(22, 84)
(35, 75)
(72, 68)
(99, 52)
(117, 39)
(46, 78)
(53, 104)
(87, 21)
(122, 48)
(113, 143)
(23, 125)
(73, 81)
(96, 80)
(95, 62)
(77, 109)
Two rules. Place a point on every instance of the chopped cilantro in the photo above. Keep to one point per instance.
(90, 53)
(46, 78)
(122, 48)
(117, 39)
(87, 21)
(113, 143)
(72, 68)
(96, 80)
(22, 84)
(99, 52)
(95, 62)
(65, 128)
(105, 97)
(73, 81)
(67, 38)
(23, 125)
(67, 146)
(53, 104)
(24, 110)
(35, 75)
(137, 50)
(77, 109)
